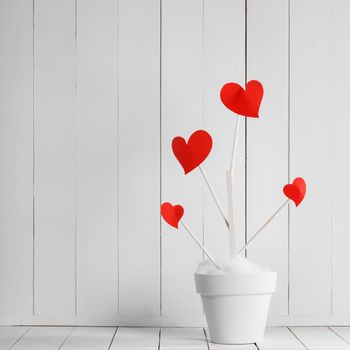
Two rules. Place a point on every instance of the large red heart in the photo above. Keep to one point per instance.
(243, 102)
(172, 214)
(296, 191)
(194, 152)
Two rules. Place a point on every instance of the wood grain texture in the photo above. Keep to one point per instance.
(136, 338)
(97, 338)
(180, 338)
(277, 338)
(343, 332)
(223, 61)
(16, 157)
(10, 335)
(316, 338)
(48, 338)
(88, 136)
(311, 156)
(54, 163)
(139, 157)
(341, 169)
(267, 139)
(182, 114)
(96, 162)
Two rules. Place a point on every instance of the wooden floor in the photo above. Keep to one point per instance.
(104, 338)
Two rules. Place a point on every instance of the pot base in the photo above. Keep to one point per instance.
(236, 306)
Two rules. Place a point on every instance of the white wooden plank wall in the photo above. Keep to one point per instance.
(182, 114)
(267, 140)
(91, 95)
(311, 144)
(16, 156)
(54, 158)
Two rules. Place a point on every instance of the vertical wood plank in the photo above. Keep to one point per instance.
(136, 338)
(54, 175)
(317, 338)
(182, 114)
(267, 139)
(341, 169)
(311, 97)
(223, 57)
(139, 157)
(48, 338)
(97, 181)
(97, 338)
(16, 159)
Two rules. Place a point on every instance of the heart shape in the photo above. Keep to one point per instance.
(296, 191)
(243, 102)
(194, 152)
(172, 214)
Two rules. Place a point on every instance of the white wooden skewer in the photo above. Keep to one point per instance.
(214, 195)
(199, 244)
(263, 226)
(234, 146)
(230, 201)
(230, 207)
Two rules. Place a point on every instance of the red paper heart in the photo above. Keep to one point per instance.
(243, 102)
(194, 152)
(172, 214)
(296, 191)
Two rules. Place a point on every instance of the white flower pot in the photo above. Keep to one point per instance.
(236, 306)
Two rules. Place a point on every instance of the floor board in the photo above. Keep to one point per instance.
(143, 338)
(280, 338)
(319, 338)
(10, 335)
(96, 338)
(343, 332)
(43, 338)
(183, 338)
(136, 339)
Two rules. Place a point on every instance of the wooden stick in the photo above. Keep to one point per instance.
(263, 226)
(214, 195)
(234, 146)
(231, 221)
(199, 244)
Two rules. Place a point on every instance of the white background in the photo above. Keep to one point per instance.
(91, 95)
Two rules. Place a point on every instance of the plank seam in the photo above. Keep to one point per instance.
(118, 158)
(289, 158)
(203, 118)
(160, 332)
(19, 339)
(64, 341)
(112, 340)
(160, 156)
(76, 160)
(332, 330)
(206, 338)
(33, 160)
(298, 338)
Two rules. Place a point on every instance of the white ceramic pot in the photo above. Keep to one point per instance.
(236, 306)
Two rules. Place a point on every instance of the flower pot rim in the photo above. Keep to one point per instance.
(236, 284)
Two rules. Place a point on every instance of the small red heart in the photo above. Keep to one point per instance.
(243, 102)
(296, 191)
(194, 152)
(172, 214)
